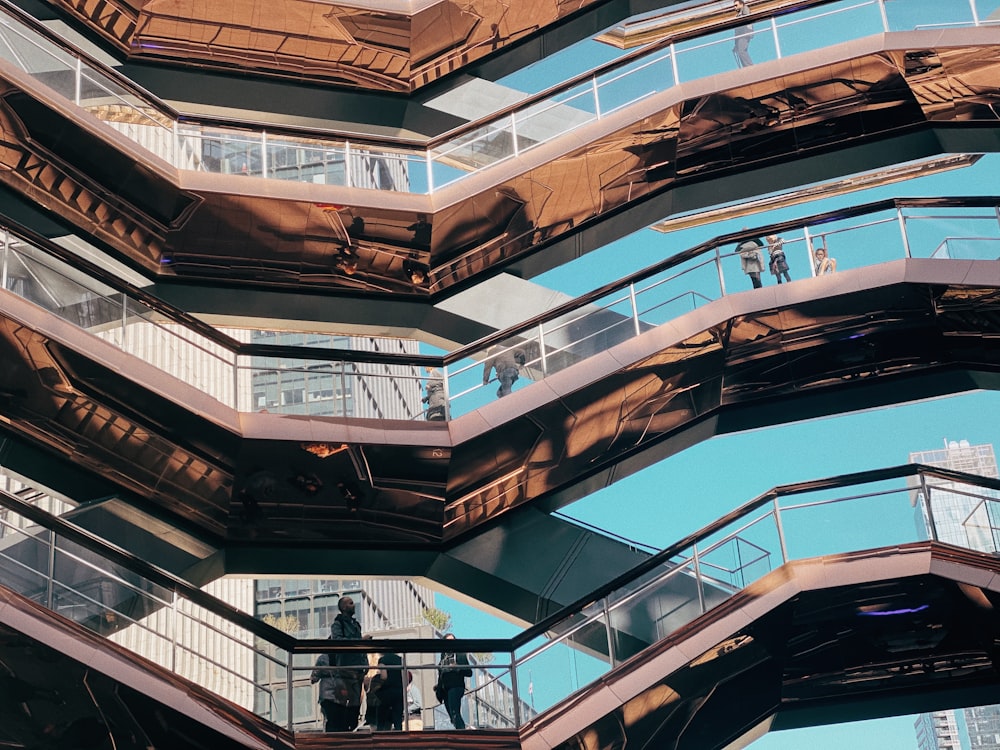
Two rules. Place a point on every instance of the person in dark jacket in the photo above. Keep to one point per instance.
(340, 677)
(391, 695)
(452, 671)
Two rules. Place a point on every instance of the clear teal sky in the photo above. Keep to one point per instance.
(664, 502)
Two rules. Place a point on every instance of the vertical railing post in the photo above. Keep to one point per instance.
(236, 386)
(673, 64)
(925, 491)
(782, 544)
(777, 42)
(514, 690)
(447, 393)
(78, 83)
(597, 97)
(289, 678)
(406, 693)
(697, 580)
(902, 229)
(885, 16)
(718, 267)
(263, 154)
(348, 172)
(810, 255)
(124, 320)
(513, 132)
(50, 595)
(635, 307)
(975, 12)
(430, 172)
(6, 252)
(175, 624)
(612, 649)
(176, 161)
(542, 359)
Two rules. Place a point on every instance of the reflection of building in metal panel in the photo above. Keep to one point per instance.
(967, 521)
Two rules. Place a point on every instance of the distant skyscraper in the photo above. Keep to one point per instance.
(963, 519)
(941, 730)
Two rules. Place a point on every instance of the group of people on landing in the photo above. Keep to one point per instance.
(752, 259)
(344, 678)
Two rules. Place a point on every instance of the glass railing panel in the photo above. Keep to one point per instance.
(107, 598)
(826, 25)
(724, 51)
(962, 234)
(987, 12)
(587, 331)
(678, 291)
(552, 118)
(444, 171)
(336, 389)
(635, 80)
(733, 557)
(37, 56)
(305, 160)
(654, 611)
(962, 514)
(903, 16)
(478, 148)
(489, 697)
(221, 151)
(216, 652)
(116, 105)
(824, 524)
(24, 557)
(505, 367)
(59, 288)
(178, 351)
(551, 669)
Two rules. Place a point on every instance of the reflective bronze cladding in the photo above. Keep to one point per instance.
(876, 335)
(385, 46)
(526, 214)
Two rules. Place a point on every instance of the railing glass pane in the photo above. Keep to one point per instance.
(24, 557)
(959, 234)
(659, 607)
(815, 525)
(634, 80)
(553, 669)
(988, 12)
(926, 14)
(826, 25)
(965, 515)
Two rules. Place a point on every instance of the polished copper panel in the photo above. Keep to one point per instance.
(529, 213)
(895, 332)
(379, 48)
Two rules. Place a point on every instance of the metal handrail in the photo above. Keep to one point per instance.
(575, 614)
(410, 150)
